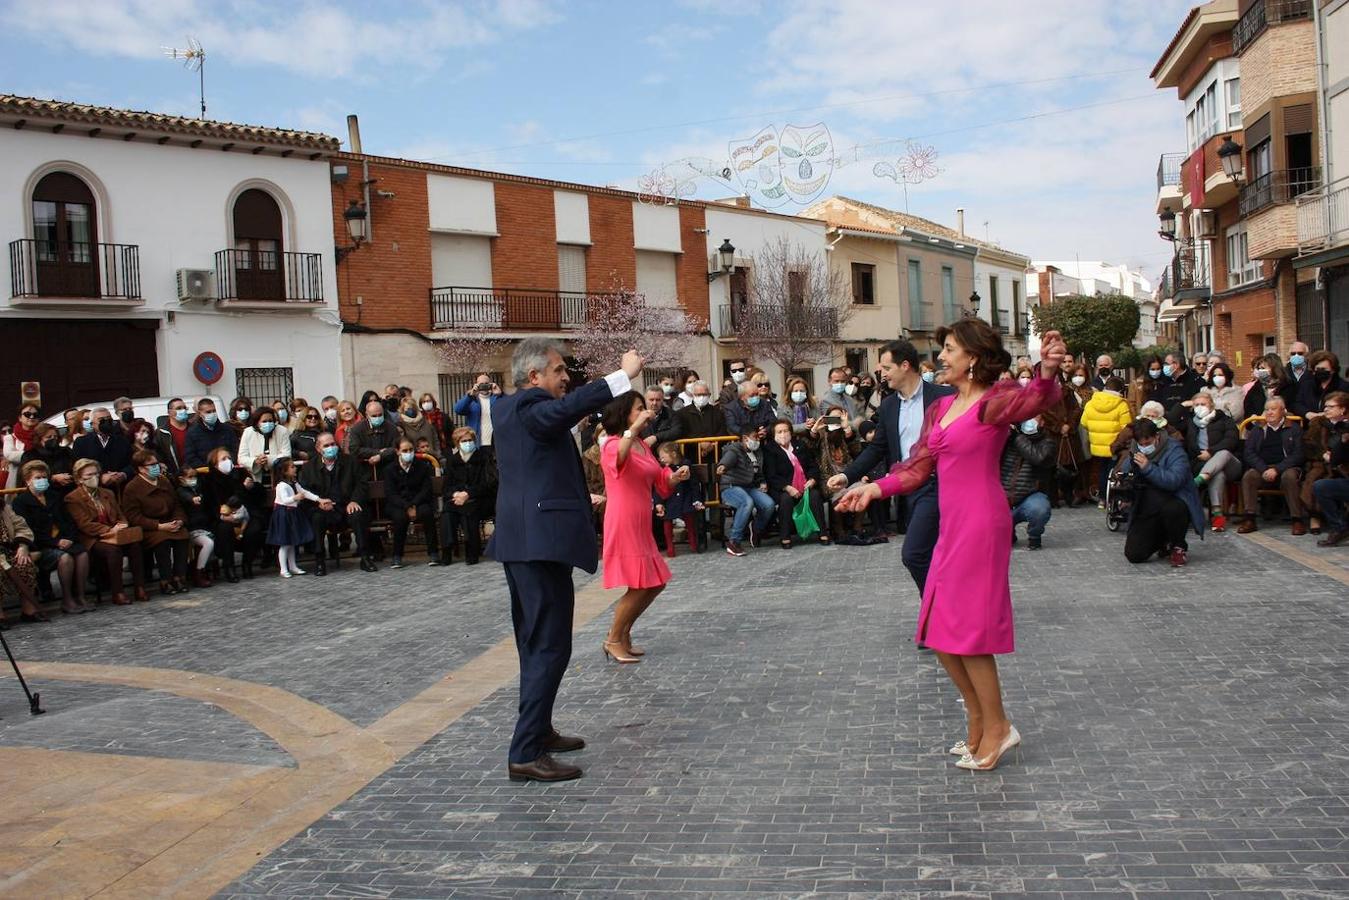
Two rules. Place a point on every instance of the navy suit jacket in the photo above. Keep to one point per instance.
(884, 443)
(543, 508)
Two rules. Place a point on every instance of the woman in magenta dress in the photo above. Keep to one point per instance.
(631, 558)
(966, 615)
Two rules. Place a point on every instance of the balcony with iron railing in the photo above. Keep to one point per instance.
(508, 309)
(1323, 217)
(46, 272)
(765, 320)
(268, 280)
(1279, 186)
(1263, 14)
(1168, 169)
(1189, 272)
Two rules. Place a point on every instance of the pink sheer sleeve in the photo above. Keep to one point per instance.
(1008, 403)
(911, 474)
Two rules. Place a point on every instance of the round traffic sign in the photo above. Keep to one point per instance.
(208, 367)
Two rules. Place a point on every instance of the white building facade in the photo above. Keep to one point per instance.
(1092, 278)
(143, 248)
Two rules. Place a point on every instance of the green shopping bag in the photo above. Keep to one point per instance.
(806, 526)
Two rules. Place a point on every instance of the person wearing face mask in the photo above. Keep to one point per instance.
(1180, 383)
(1147, 385)
(1269, 380)
(469, 490)
(207, 434)
(1228, 397)
(304, 436)
(744, 489)
(793, 477)
(142, 435)
(836, 400)
(59, 460)
(1330, 493)
(342, 484)
(109, 446)
(1166, 505)
(18, 567)
(1297, 362)
(1274, 455)
(374, 439)
(1321, 438)
(56, 542)
(415, 426)
(170, 439)
(748, 413)
(927, 371)
(328, 407)
(1104, 417)
(223, 487)
(1323, 380)
(1105, 369)
(1212, 444)
(684, 396)
(730, 393)
(797, 406)
(18, 440)
(241, 414)
(1151, 410)
(124, 411)
(1028, 454)
(150, 502)
(868, 398)
(99, 519)
(202, 521)
(432, 412)
(409, 499)
(262, 443)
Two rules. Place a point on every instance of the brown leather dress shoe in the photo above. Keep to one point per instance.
(558, 743)
(545, 768)
(1299, 527)
(1247, 526)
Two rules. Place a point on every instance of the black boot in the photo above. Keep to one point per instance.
(230, 575)
(368, 565)
(248, 568)
(320, 565)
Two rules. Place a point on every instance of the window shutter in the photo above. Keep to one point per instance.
(1298, 119)
(1259, 131)
(571, 269)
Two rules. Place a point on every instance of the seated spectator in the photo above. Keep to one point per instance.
(661, 427)
(1323, 436)
(282, 410)
(18, 566)
(223, 488)
(1166, 502)
(329, 405)
(1151, 410)
(798, 406)
(744, 489)
(170, 440)
(208, 434)
(141, 434)
(1211, 444)
(56, 543)
(304, 436)
(98, 518)
(374, 440)
(836, 400)
(1324, 380)
(19, 440)
(766, 398)
(1228, 397)
(109, 447)
(1274, 456)
(202, 522)
(748, 412)
(1104, 416)
(342, 484)
(59, 461)
(241, 414)
(347, 417)
(77, 423)
(1179, 382)
(1331, 492)
(150, 502)
(469, 490)
(791, 473)
(415, 426)
(433, 414)
(701, 419)
(1270, 380)
(1028, 453)
(262, 443)
(409, 498)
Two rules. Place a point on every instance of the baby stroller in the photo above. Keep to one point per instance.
(1119, 497)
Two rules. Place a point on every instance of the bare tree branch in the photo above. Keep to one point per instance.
(622, 321)
(469, 351)
(796, 309)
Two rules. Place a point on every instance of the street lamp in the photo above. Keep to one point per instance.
(725, 261)
(357, 226)
(974, 304)
(1230, 155)
(1168, 229)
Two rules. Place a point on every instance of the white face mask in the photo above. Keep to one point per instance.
(738, 377)
(850, 390)
(225, 466)
(1219, 380)
(798, 396)
(1079, 380)
(784, 438)
(701, 400)
(1202, 413)
(1023, 380)
(751, 444)
(427, 405)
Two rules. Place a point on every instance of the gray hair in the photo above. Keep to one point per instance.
(699, 384)
(532, 356)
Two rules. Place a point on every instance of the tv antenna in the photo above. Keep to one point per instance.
(194, 60)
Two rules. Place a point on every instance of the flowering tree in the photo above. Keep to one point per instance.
(470, 350)
(623, 320)
(798, 307)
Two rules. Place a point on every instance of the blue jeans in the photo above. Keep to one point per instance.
(744, 501)
(1332, 496)
(1034, 511)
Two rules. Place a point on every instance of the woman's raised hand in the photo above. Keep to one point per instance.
(858, 497)
(1052, 351)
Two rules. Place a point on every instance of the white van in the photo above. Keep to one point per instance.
(154, 410)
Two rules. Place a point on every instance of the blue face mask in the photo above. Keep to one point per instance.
(838, 388)
(1148, 449)
(88, 426)
(753, 402)
(1030, 426)
(1154, 373)
(180, 415)
(1168, 370)
(376, 421)
(210, 418)
(242, 415)
(153, 470)
(330, 451)
(1297, 360)
(406, 456)
(929, 377)
(798, 396)
(267, 427)
(467, 447)
(282, 416)
(40, 485)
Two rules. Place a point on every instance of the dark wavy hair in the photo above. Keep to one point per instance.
(979, 339)
(614, 417)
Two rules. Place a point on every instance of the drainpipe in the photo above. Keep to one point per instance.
(1323, 106)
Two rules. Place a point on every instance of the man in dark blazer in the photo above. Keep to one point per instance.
(901, 423)
(108, 446)
(342, 484)
(544, 529)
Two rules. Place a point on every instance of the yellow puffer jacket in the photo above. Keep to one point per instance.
(1104, 416)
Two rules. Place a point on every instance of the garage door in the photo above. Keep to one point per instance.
(77, 361)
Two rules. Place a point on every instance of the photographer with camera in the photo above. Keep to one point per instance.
(476, 407)
(1167, 499)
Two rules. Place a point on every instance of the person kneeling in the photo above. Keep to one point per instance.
(1166, 501)
(1027, 454)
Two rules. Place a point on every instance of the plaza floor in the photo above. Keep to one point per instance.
(1185, 735)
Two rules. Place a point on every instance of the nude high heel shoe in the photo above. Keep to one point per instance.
(615, 651)
(990, 762)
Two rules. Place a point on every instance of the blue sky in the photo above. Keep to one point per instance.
(1045, 124)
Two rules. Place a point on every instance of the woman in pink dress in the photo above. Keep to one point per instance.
(966, 615)
(631, 558)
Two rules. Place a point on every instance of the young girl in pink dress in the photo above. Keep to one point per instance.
(631, 558)
(966, 615)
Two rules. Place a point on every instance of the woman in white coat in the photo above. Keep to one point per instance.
(262, 443)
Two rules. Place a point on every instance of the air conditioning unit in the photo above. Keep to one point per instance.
(194, 284)
(1206, 224)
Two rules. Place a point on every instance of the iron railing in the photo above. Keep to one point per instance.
(1168, 169)
(789, 321)
(71, 269)
(266, 275)
(508, 309)
(1263, 14)
(1189, 268)
(1279, 186)
(1323, 217)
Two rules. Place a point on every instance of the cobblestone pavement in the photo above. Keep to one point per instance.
(1184, 729)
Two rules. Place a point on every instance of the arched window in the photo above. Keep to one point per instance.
(258, 247)
(65, 237)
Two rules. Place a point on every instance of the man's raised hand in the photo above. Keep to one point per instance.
(632, 364)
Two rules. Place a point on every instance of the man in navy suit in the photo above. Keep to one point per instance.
(544, 529)
(901, 424)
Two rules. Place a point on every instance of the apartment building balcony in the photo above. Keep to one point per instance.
(507, 309)
(1169, 191)
(1190, 281)
(74, 273)
(1266, 204)
(268, 281)
(1264, 13)
(796, 321)
(1323, 218)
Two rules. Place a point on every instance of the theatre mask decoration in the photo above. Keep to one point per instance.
(758, 167)
(807, 158)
